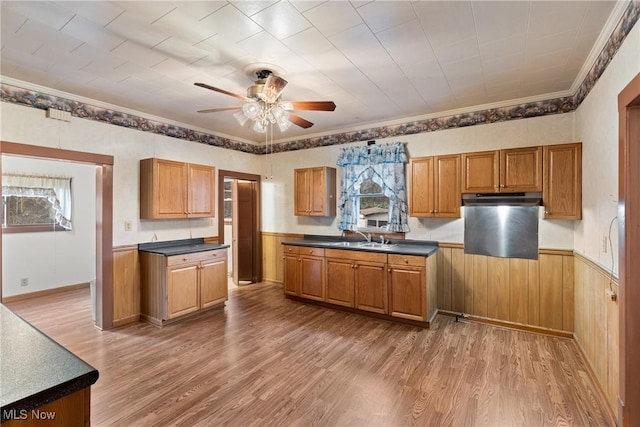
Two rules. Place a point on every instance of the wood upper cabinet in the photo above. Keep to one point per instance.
(562, 195)
(509, 170)
(315, 191)
(304, 272)
(435, 186)
(170, 189)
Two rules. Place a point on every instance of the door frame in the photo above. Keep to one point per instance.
(629, 251)
(104, 217)
(257, 247)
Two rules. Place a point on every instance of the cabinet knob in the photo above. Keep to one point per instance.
(431, 211)
(299, 259)
(546, 212)
(497, 186)
(389, 270)
(310, 252)
(436, 211)
(406, 261)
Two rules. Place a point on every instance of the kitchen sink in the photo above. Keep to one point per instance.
(368, 245)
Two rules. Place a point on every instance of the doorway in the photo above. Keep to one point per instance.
(239, 224)
(629, 250)
(104, 218)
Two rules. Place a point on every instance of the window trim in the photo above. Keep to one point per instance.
(41, 228)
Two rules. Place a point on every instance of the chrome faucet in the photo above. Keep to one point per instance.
(366, 236)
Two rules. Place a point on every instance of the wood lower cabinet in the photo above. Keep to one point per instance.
(407, 291)
(394, 286)
(357, 279)
(174, 286)
(170, 189)
(562, 195)
(304, 272)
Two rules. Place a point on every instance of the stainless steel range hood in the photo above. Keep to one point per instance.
(501, 225)
(502, 199)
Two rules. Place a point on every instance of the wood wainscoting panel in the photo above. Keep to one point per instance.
(272, 255)
(537, 293)
(597, 326)
(126, 285)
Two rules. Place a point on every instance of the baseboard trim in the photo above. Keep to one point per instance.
(44, 292)
(126, 321)
(594, 378)
(509, 325)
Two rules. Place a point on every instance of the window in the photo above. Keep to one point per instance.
(33, 202)
(373, 206)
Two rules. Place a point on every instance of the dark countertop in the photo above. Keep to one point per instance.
(35, 370)
(403, 247)
(179, 247)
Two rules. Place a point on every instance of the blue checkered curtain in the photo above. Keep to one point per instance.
(385, 165)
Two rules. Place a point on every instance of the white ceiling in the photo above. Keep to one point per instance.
(379, 61)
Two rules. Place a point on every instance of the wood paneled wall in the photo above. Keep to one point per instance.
(597, 325)
(537, 293)
(272, 263)
(126, 285)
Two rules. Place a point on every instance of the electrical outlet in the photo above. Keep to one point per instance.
(24, 281)
(605, 240)
(128, 225)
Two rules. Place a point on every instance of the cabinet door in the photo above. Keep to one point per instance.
(408, 286)
(521, 169)
(163, 189)
(201, 187)
(562, 194)
(446, 184)
(480, 172)
(421, 197)
(301, 183)
(291, 274)
(182, 290)
(371, 287)
(312, 277)
(213, 282)
(340, 281)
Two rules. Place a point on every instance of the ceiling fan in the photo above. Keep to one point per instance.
(264, 106)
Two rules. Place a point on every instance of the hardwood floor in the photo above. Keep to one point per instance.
(266, 360)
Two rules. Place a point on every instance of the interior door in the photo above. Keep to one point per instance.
(243, 220)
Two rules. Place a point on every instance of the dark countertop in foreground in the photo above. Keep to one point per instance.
(179, 247)
(35, 369)
(404, 247)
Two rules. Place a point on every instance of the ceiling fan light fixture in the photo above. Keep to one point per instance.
(251, 110)
(241, 117)
(283, 124)
(258, 127)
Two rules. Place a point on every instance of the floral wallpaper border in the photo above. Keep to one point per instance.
(43, 101)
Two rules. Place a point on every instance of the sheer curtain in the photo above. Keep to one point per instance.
(384, 164)
(55, 188)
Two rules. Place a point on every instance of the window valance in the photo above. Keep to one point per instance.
(55, 188)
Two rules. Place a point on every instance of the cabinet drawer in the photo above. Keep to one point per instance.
(397, 259)
(196, 257)
(291, 250)
(356, 255)
(311, 251)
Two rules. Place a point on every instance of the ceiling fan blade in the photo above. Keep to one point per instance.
(299, 121)
(215, 110)
(273, 87)
(309, 105)
(225, 92)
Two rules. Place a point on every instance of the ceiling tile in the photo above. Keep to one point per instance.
(507, 46)
(537, 46)
(130, 27)
(500, 19)
(380, 16)
(304, 5)
(11, 22)
(98, 12)
(505, 63)
(146, 11)
(281, 20)
(250, 8)
(141, 55)
(180, 51)
(47, 13)
(331, 18)
(406, 42)
(91, 33)
(231, 24)
(181, 24)
(308, 43)
(457, 51)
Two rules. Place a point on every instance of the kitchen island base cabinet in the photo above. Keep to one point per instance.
(409, 297)
(304, 272)
(178, 285)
